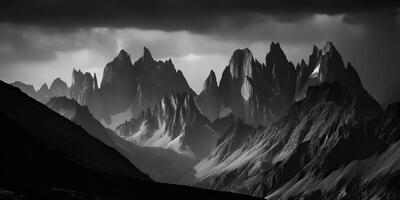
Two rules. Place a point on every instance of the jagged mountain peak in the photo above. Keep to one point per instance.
(179, 72)
(240, 63)
(121, 65)
(76, 71)
(275, 55)
(123, 56)
(328, 48)
(275, 48)
(147, 54)
(211, 82)
(44, 87)
(241, 54)
(58, 83)
(303, 63)
(76, 75)
(315, 49)
(58, 80)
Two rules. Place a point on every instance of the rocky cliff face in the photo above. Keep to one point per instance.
(209, 99)
(239, 90)
(117, 86)
(257, 93)
(155, 79)
(320, 134)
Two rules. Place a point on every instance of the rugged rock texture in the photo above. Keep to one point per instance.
(314, 138)
(257, 93)
(175, 123)
(239, 90)
(326, 65)
(84, 88)
(321, 134)
(277, 132)
(117, 86)
(329, 145)
(127, 89)
(155, 79)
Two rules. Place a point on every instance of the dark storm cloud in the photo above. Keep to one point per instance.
(196, 16)
(365, 32)
(21, 43)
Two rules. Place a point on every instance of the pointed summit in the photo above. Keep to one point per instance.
(58, 84)
(328, 47)
(44, 87)
(123, 55)
(276, 47)
(211, 82)
(147, 54)
(276, 52)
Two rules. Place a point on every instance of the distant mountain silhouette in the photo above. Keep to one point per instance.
(58, 88)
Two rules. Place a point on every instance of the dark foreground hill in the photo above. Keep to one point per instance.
(45, 156)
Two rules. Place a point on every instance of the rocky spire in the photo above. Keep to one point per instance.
(211, 82)
(44, 87)
(76, 84)
(147, 54)
(123, 56)
(96, 87)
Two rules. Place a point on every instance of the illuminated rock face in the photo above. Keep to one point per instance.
(257, 93)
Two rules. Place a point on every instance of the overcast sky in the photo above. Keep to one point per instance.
(44, 39)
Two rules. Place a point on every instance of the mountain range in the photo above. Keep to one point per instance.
(272, 129)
